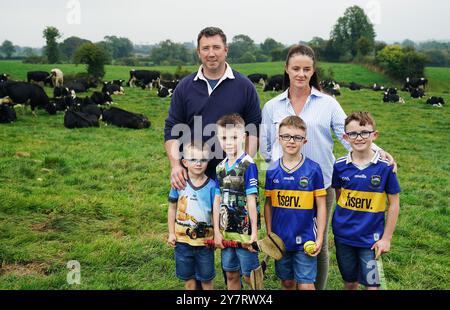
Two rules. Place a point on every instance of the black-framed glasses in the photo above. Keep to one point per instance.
(197, 161)
(354, 134)
(296, 138)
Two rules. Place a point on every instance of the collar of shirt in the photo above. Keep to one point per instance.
(227, 75)
(314, 93)
(374, 159)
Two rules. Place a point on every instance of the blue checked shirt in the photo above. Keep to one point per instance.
(320, 113)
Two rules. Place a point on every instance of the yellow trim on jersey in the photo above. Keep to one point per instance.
(320, 192)
(362, 201)
(293, 169)
(290, 199)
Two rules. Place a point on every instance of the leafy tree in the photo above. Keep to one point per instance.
(349, 28)
(119, 47)
(400, 62)
(70, 45)
(241, 45)
(51, 34)
(170, 53)
(270, 44)
(364, 46)
(7, 49)
(94, 56)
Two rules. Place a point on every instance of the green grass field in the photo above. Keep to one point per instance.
(99, 195)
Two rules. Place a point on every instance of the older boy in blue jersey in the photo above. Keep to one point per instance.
(363, 183)
(189, 220)
(295, 206)
(235, 205)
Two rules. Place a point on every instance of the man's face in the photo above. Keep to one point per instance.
(212, 52)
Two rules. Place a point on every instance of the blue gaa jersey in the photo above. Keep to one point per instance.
(292, 194)
(358, 219)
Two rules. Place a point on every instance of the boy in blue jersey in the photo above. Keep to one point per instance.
(190, 220)
(235, 206)
(295, 206)
(363, 182)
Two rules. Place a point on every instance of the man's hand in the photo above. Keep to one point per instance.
(178, 177)
(386, 156)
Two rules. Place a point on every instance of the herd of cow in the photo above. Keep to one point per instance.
(415, 86)
(86, 112)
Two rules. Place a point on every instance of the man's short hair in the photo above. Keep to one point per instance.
(233, 119)
(364, 118)
(211, 32)
(293, 121)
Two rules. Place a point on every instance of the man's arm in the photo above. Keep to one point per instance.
(178, 174)
(251, 145)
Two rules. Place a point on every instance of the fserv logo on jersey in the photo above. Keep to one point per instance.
(291, 199)
(362, 201)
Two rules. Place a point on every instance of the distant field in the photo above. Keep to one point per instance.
(99, 195)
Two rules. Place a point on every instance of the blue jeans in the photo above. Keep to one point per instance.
(357, 264)
(234, 259)
(297, 265)
(194, 262)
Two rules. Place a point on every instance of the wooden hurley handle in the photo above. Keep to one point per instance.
(230, 244)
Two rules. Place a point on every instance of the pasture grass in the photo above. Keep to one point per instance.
(99, 195)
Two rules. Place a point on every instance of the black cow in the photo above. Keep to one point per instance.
(23, 93)
(122, 118)
(411, 83)
(330, 87)
(117, 82)
(376, 87)
(258, 78)
(101, 98)
(164, 92)
(77, 119)
(3, 77)
(417, 93)
(144, 78)
(112, 89)
(40, 76)
(392, 98)
(275, 83)
(354, 86)
(436, 101)
(61, 91)
(391, 90)
(7, 114)
(170, 84)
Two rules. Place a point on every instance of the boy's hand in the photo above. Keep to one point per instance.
(381, 246)
(248, 245)
(218, 240)
(386, 156)
(317, 249)
(172, 240)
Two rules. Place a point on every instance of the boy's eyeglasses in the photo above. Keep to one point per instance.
(364, 134)
(289, 137)
(197, 161)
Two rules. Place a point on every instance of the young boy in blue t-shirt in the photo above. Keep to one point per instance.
(363, 182)
(295, 207)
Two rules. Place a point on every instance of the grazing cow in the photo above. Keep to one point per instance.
(258, 78)
(101, 98)
(436, 101)
(39, 76)
(354, 86)
(23, 92)
(112, 89)
(331, 87)
(392, 98)
(411, 83)
(122, 118)
(77, 119)
(170, 84)
(3, 77)
(376, 87)
(7, 114)
(144, 78)
(417, 93)
(275, 83)
(57, 77)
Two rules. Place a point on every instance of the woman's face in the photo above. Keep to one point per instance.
(300, 69)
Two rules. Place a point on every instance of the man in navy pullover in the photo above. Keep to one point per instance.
(201, 98)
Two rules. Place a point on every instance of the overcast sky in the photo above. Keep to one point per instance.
(151, 21)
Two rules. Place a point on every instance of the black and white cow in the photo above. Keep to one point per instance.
(258, 78)
(112, 89)
(7, 113)
(3, 77)
(354, 86)
(376, 87)
(39, 77)
(330, 87)
(101, 98)
(77, 119)
(24, 93)
(144, 78)
(436, 101)
(117, 82)
(411, 83)
(275, 83)
(392, 98)
(391, 90)
(122, 118)
(416, 93)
